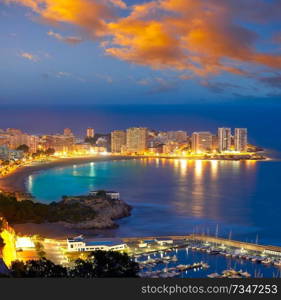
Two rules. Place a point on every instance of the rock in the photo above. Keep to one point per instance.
(106, 209)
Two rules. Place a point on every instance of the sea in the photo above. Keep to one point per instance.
(240, 199)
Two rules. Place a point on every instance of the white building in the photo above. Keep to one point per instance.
(111, 194)
(118, 140)
(136, 139)
(177, 136)
(224, 135)
(80, 245)
(241, 139)
(90, 133)
(164, 242)
(201, 142)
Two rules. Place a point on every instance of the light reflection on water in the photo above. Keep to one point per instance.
(176, 196)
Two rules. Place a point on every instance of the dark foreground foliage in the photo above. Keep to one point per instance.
(100, 264)
(16, 212)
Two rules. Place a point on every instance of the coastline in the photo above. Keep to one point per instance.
(15, 182)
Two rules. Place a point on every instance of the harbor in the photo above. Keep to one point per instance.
(191, 256)
(198, 256)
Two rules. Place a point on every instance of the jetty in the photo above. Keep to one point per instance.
(267, 249)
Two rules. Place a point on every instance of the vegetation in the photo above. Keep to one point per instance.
(16, 212)
(40, 250)
(2, 244)
(90, 140)
(23, 148)
(37, 268)
(48, 152)
(99, 264)
(105, 264)
(101, 194)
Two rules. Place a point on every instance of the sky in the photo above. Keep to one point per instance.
(87, 52)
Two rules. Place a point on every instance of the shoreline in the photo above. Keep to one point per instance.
(15, 182)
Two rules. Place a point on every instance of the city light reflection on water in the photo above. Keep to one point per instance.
(173, 196)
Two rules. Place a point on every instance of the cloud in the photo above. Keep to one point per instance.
(70, 39)
(219, 87)
(157, 85)
(63, 74)
(29, 56)
(272, 81)
(86, 14)
(202, 37)
(119, 3)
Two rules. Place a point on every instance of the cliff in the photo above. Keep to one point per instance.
(83, 212)
(106, 211)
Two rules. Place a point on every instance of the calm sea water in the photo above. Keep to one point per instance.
(217, 263)
(179, 196)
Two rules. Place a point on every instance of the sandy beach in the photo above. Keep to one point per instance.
(15, 182)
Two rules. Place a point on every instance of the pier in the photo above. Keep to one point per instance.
(274, 250)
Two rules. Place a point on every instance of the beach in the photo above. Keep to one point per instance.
(15, 182)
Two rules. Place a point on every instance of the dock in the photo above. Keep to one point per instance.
(269, 249)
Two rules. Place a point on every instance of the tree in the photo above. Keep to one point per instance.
(106, 264)
(83, 269)
(40, 250)
(38, 269)
(18, 269)
(99, 264)
(101, 194)
(90, 140)
(23, 148)
(2, 244)
(50, 151)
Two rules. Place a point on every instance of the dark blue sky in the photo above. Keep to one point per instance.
(261, 119)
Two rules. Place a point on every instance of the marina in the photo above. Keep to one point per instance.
(195, 256)
(183, 257)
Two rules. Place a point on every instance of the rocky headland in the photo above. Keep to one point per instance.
(106, 210)
(97, 211)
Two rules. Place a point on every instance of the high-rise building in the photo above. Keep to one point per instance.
(224, 135)
(170, 147)
(31, 141)
(215, 143)
(136, 139)
(67, 131)
(201, 141)
(60, 143)
(14, 131)
(118, 140)
(241, 139)
(177, 136)
(90, 133)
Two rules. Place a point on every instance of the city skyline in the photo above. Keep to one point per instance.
(132, 140)
(139, 52)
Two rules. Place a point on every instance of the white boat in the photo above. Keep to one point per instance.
(267, 261)
(174, 258)
(214, 275)
(245, 274)
(277, 263)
